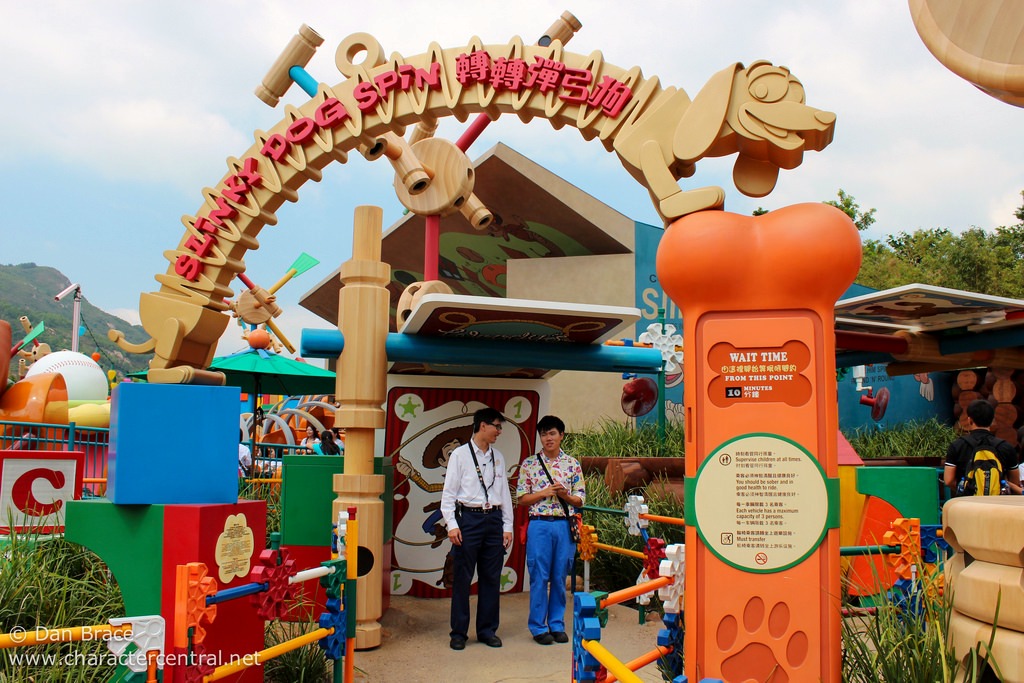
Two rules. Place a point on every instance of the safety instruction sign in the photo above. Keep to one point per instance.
(761, 503)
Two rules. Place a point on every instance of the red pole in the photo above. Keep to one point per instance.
(867, 341)
(246, 281)
(476, 127)
(432, 234)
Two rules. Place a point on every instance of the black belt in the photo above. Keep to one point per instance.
(546, 518)
(462, 507)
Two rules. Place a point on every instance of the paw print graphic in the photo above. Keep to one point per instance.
(761, 645)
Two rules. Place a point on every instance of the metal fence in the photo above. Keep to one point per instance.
(94, 443)
(266, 458)
(37, 436)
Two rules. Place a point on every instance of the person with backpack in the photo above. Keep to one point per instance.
(980, 463)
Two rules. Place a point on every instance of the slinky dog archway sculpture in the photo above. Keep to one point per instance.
(756, 112)
(658, 133)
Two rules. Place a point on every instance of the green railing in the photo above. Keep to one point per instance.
(266, 458)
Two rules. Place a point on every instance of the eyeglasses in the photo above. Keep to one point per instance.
(496, 425)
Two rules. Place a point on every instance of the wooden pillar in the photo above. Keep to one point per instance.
(360, 389)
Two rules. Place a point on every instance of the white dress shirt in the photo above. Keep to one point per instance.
(461, 484)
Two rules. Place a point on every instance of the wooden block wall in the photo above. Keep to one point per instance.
(1002, 387)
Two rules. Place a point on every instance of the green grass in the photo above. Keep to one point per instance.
(919, 439)
(57, 584)
(610, 571)
(54, 583)
(618, 439)
(307, 664)
(898, 645)
(929, 438)
(271, 493)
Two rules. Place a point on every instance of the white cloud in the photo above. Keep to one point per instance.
(152, 141)
(1002, 208)
(129, 315)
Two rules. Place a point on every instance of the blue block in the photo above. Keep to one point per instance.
(173, 444)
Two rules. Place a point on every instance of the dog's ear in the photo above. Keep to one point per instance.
(698, 129)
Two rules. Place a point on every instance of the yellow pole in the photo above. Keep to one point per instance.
(610, 662)
(641, 661)
(244, 663)
(280, 283)
(280, 335)
(62, 635)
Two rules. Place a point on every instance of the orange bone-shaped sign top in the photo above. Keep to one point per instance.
(795, 257)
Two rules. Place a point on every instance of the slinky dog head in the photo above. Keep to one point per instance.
(759, 113)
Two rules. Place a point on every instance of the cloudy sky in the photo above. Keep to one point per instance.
(118, 113)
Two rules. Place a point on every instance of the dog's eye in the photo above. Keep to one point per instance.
(770, 87)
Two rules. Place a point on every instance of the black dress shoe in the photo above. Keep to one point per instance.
(491, 641)
(458, 643)
(559, 636)
(544, 638)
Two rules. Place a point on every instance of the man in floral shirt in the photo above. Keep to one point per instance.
(551, 484)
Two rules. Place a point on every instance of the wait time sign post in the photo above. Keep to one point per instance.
(762, 498)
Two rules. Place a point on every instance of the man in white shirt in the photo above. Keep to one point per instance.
(477, 507)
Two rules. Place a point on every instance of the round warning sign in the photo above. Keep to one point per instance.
(761, 503)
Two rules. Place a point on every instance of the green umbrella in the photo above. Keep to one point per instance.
(258, 371)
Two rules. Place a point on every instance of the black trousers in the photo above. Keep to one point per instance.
(482, 550)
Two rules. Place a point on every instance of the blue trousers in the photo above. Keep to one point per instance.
(549, 554)
(481, 550)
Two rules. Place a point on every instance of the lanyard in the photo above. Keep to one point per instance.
(565, 506)
(480, 475)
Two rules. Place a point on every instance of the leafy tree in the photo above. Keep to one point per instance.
(881, 268)
(975, 260)
(848, 205)
(915, 248)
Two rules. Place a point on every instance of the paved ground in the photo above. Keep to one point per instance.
(415, 647)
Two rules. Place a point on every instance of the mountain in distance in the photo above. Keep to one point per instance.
(27, 289)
